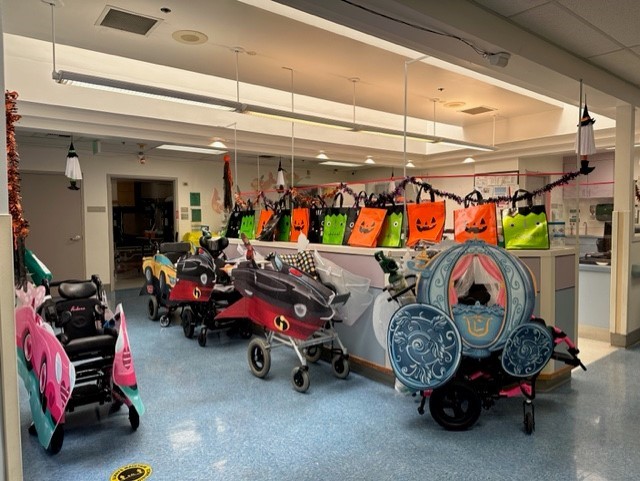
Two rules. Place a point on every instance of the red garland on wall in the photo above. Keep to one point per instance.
(19, 223)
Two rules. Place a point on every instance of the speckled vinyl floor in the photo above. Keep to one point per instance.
(209, 418)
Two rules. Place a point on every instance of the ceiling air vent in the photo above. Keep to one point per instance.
(478, 110)
(119, 19)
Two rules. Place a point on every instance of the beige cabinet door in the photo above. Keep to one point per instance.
(54, 214)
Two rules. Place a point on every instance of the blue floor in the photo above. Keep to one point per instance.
(209, 418)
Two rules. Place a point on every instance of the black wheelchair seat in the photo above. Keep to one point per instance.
(90, 345)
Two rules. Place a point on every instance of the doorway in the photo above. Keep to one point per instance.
(142, 213)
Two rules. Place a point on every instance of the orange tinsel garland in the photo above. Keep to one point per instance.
(19, 223)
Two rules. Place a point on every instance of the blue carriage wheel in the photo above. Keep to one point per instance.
(527, 350)
(424, 346)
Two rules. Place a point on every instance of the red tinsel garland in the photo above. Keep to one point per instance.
(19, 223)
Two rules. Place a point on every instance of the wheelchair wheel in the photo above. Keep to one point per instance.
(188, 323)
(529, 425)
(340, 366)
(300, 379)
(313, 353)
(202, 337)
(165, 320)
(152, 308)
(134, 418)
(55, 445)
(259, 357)
(455, 406)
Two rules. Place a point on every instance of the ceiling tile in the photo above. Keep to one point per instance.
(565, 30)
(507, 8)
(618, 19)
(623, 63)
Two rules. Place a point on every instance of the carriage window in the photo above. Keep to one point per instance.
(477, 279)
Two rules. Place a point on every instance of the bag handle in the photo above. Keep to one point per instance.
(527, 196)
(319, 202)
(469, 198)
(424, 189)
(336, 197)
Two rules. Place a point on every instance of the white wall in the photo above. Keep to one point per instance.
(201, 176)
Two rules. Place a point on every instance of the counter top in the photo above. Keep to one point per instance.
(594, 268)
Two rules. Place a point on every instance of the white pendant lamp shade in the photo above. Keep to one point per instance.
(72, 170)
(280, 177)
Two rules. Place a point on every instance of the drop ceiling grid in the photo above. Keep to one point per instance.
(565, 30)
(619, 18)
(624, 63)
(508, 8)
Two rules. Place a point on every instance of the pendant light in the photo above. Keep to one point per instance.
(280, 183)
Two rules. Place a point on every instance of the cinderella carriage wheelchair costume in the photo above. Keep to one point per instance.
(470, 337)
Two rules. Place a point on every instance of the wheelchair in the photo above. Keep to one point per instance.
(469, 336)
(99, 365)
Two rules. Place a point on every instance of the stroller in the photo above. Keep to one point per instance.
(88, 361)
(202, 288)
(471, 339)
(294, 309)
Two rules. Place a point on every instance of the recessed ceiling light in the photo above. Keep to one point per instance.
(187, 148)
(339, 164)
(454, 105)
(189, 37)
(369, 160)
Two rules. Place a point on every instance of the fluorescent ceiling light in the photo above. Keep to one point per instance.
(119, 86)
(111, 85)
(369, 160)
(187, 148)
(340, 164)
(270, 113)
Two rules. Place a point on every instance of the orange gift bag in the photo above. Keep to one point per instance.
(477, 221)
(425, 220)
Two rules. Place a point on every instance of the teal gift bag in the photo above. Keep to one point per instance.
(525, 227)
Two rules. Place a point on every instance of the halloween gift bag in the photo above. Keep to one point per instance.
(368, 226)
(265, 215)
(352, 215)
(334, 222)
(283, 228)
(391, 234)
(425, 220)
(525, 227)
(247, 224)
(234, 223)
(299, 223)
(317, 211)
(476, 221)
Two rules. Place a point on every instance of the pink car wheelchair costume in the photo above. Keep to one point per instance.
(87, 361)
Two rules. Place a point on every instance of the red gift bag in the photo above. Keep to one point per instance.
(476, 221)
(425, 220)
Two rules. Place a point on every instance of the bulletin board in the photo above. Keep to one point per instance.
(497, 184)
